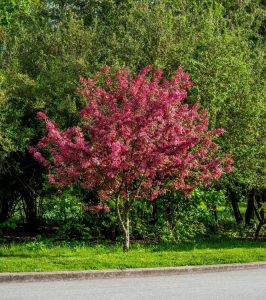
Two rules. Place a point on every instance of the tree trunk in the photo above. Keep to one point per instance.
(30, 209)
(236, 210)
(4, 210)
(123, 218)
(126, 235)
(259, 228)
(259, 213)
(249, 215)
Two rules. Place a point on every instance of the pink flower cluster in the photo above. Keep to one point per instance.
(137, 139)
(94, 209)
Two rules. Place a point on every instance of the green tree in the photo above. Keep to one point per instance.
(40, 69)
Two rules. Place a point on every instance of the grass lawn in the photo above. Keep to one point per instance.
(59, 256)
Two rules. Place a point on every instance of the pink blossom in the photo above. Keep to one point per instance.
(106, 69)
(217, 173)
(218, 131)
(41, 115)
(32, 150)
(37, 155)
(50, 125)
(228, 168)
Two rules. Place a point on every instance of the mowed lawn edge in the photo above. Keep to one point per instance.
(75, 256)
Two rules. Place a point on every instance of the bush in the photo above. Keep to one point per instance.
(175, 218)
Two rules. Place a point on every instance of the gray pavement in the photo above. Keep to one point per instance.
(244, 285)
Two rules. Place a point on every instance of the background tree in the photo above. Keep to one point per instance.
(36, 58)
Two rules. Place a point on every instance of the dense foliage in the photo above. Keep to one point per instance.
(45, 46)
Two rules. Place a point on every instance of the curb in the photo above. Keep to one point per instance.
(125, 273)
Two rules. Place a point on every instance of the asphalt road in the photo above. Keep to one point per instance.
(248, 284)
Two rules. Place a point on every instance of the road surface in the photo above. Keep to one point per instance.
(244, 285)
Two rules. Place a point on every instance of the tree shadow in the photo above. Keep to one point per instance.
(206, 244)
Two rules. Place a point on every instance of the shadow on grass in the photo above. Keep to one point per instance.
(47, 248)
(203, 244)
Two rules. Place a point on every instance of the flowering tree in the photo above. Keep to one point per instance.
(137, 141)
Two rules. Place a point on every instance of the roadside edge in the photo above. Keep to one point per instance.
(125, 273)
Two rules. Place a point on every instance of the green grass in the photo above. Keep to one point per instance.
(51, 256)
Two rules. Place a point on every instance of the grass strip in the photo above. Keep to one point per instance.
(41, 256)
